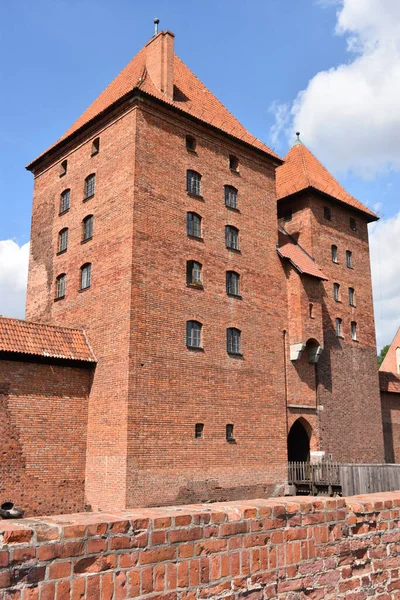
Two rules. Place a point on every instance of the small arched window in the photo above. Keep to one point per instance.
(233, 163)
(232, 283)
(354, 331)
(352, 297)
(334, 253)
(61, 285)
(90, 184)
(193, 334)
(349, 259)
(95, 146)
(87, 228)
(63, 168)
(193, 180)
(193, 273)
(63, 240)
(230, 196)
(193, 224)
(191, 143)
(65, 200)
(336, 292)
(338, 323)
(86, 276)
(232, 237)
(233, 345)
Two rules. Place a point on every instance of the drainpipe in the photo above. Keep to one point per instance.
(286, 383)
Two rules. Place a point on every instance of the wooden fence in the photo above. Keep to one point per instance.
(331, 478)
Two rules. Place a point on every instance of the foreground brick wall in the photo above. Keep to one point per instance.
(288, 548)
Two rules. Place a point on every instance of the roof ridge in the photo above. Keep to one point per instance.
(52, 325)
(303, 161)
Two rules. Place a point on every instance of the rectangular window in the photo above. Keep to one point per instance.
(230, 196)
(229, 433)
(232, 237)
(336, 292)
(86, 276)
(233, 341)
(193, 183)
(354, 331)
(65, 201)
(198, 430)
(90, 183)
(232, 283)
(339, 327)
(88, 228)
(334, 254)
(193, 224)
(61, 284)
(351, 297)
(63, 240)
(349, 261)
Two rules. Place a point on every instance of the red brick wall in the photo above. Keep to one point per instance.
(43, 421)
(391, 425)
(288, 548)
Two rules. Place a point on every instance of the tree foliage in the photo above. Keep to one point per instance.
(382, 354)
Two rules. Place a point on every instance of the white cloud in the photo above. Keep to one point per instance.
(13, 278)
(385, 265)
(349, 115)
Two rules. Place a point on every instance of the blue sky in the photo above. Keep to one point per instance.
(255, 56)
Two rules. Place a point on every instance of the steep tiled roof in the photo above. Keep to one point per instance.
(301, 170)
(299, 258)
(191, 96)
(389, 363)
(38, 339)
(389, 382)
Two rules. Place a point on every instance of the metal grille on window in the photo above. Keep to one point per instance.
(348, 259)
(86, 276)
(90, 183)
(232, 283)
(193, 334)
(193, 224)
(63, 240)
(65, 200)
(193, 182)
(88, 227)
(233, 340)
(61, 283)
(230, 196)
(232, 237)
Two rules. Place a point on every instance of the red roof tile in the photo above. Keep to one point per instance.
(389, 382)
(301, 170)
(192, 97)
(38, 339)
(299, 258)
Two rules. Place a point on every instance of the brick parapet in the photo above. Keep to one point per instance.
(276, 548)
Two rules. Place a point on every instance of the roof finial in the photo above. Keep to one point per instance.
(298, 141)
(156, 22)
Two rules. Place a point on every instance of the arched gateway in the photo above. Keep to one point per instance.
(298, 442)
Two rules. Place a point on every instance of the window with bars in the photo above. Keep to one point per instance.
(232, 283)
(193, 224)
(61, 285)
(191, 143)
(229, 433)
(232, 237)
(354, 330)
(327, 213)
(233, 163)
(233, 340)
(336, 292)
(63, 240)
(95, 146)
(87, 228)
(86, 276)
(65, 200)
(198, 430)
(193, 180)
(90, 184)
(353, 224)
(352, 297)
(338, 327)
(231, 196)
(63, 168)
(193, 334)
(193, 273)
(349, 259)
(334, 253)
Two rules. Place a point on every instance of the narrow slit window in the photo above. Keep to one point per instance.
(311, 310)
(336, 292)
(233, 163)
(198, 430)
(87, 228)
(338, 327)
(61, 285)
(65, 201)
(191, 143)
(193, 181)
(63, 240)
(334, 253)
(193, 334)
(95, 146)
(86, 276)
(233, 344)
(349, 259)
(193, 273)
(193, 224)
(63, 168)
(352, 298)
(90, 184)
(232, 283)
(354, 331)
(232, 237)
(230, 196)
(229, 433)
